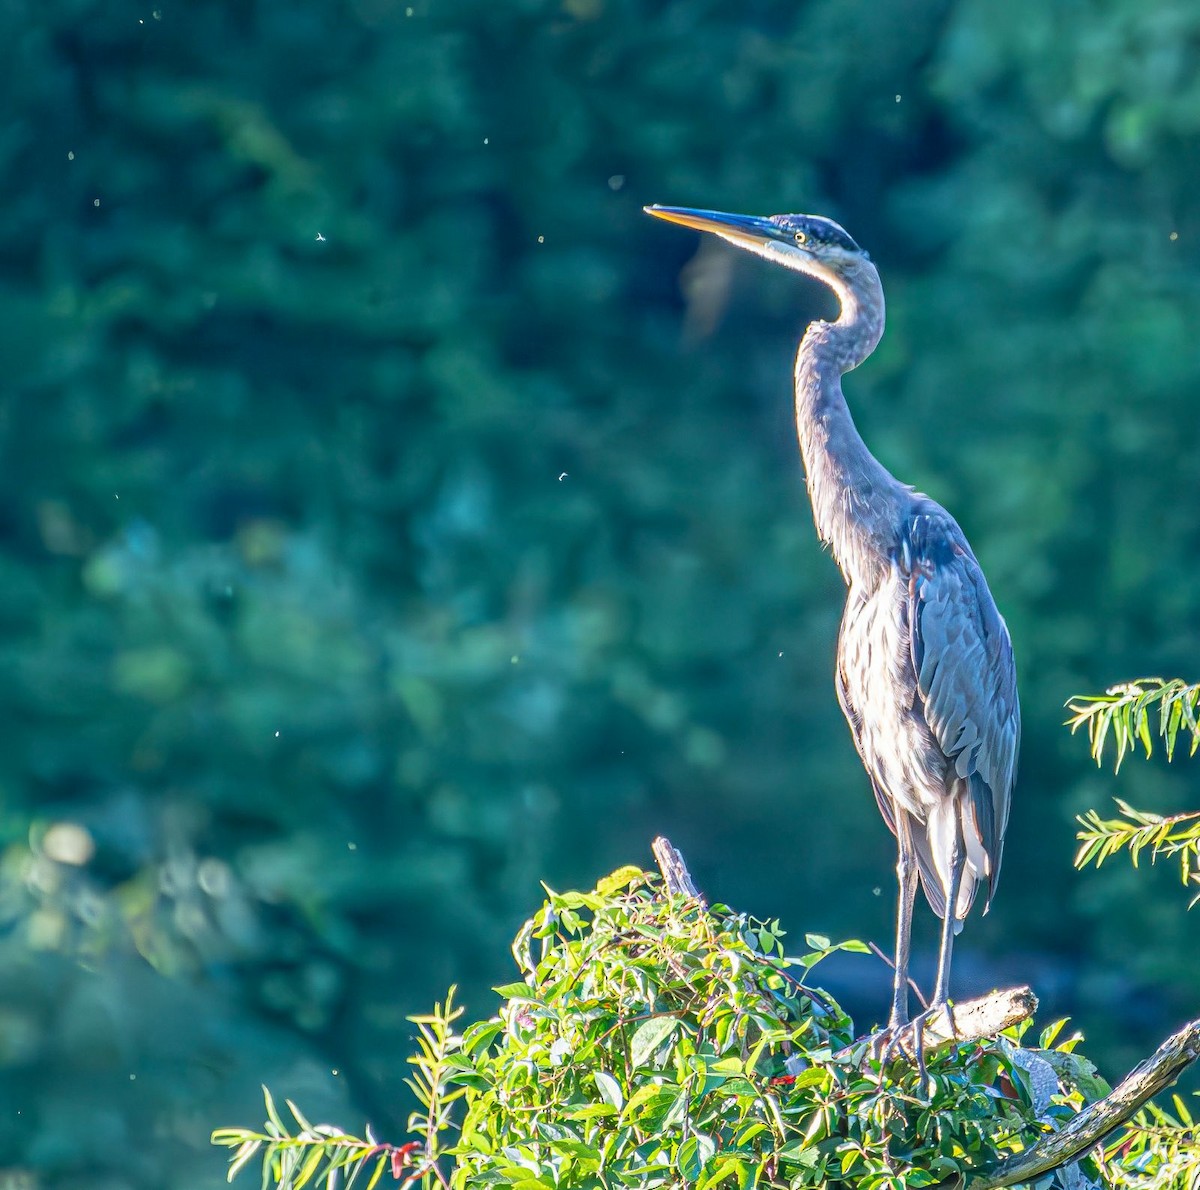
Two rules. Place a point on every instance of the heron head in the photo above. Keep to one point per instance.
(810, 244)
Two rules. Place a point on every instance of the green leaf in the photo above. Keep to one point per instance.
(243, 1155)
(616, 881)
(514, 991)
(568, 902)
(732, 1066)
(590, 1111)
(299, 1116)
(383, 1163)
(725, 1166)
(1050, 1032)
(608, 1089)
(480, 1035)
(310, 1166)
(692, 1155)
(648, 1037)
(918, 1177)
(272, 1114)
(651, 1103)
(814, 1076)
(752, 1130)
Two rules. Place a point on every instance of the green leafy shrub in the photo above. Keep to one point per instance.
(652, 1041)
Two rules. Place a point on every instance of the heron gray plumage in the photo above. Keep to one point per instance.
(925, 673)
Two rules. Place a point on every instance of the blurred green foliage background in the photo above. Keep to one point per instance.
(393, 516)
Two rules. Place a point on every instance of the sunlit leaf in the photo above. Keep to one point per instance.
(649, 1037)
(621, 879)
(609, 1089)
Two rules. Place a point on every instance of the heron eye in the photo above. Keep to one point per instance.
(800, 238)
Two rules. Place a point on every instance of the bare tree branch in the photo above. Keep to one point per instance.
(676, 877)
(972, 1020)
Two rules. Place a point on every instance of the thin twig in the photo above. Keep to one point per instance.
(912, 983)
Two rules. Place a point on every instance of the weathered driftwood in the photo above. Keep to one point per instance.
(973, 1020)
(988, 1016)
(676, 877)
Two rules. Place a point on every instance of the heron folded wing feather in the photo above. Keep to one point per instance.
(932, 879)
(856, 724)
(962, 659)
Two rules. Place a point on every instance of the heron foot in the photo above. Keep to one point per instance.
(907, 1037)
(900, 1038)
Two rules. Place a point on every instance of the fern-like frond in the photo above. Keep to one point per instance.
(1134, 712)
(315, 1153)
(322, 1153)
(1138, 830)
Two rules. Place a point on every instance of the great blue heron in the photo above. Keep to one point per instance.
(925, 672)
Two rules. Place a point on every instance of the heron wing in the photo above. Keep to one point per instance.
(854, 719)
(963, 663)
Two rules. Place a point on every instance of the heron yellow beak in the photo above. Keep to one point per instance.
(741, 229)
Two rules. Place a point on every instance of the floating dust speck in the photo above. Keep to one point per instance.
(320, 238)
(70, 154)
(541, 239)
(562, 477)
(486, 139)
(1174, 236)
(514, 659)
(277, 735)
(157, 14)
(616, 181)
(897, 98)
(351, 846)
(95, 202)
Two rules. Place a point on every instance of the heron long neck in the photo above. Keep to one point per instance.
(857, 502)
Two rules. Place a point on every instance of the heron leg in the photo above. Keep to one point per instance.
(941, 992)
(906, 875)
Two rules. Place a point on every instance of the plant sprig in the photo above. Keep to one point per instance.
(1140, 830)
(317, 1152)
(1125, 712)
(323, 1152)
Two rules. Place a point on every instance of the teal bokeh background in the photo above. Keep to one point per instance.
(393, 516)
